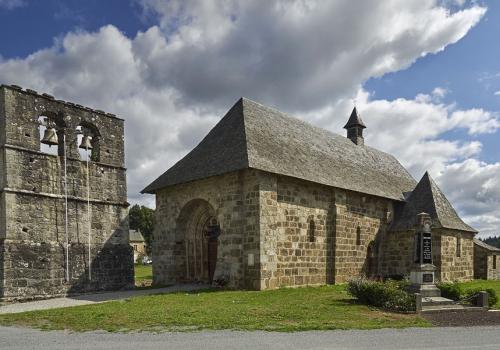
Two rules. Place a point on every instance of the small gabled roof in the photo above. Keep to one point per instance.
(354, 120)
(255, 136)
(486, 245)
(427, 197)
(135, 236)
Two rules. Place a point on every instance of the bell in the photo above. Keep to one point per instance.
(50, 137)
(85, 144)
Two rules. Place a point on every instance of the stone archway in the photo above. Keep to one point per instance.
(197, 234)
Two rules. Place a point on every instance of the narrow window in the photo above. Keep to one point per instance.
(494, 262)
(358, 235)
(459, 246)
(312, 231)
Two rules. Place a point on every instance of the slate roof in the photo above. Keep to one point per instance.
(354, 120)
(486, 246)
(428, 198)
(255, 136)
(135, 236)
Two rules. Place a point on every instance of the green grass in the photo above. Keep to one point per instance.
(313, 308)
(143, 272)
(483, 284)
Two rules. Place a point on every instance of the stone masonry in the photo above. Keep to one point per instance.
(32, 206)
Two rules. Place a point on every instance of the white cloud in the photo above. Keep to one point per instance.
(439, 92)
(497, 93)
(174, 81)
(11, 4)
(298, 54)
(474, 187)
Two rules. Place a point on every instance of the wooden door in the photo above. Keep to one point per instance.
(212, 257)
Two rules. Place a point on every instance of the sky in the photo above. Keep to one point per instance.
(424, 74)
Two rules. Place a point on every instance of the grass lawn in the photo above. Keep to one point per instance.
(143, 272)
(483, 284)
(327, 307)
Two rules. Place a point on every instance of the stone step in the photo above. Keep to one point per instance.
(436, 301)
(448, 308)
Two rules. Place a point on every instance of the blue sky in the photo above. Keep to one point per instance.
(423, 72)
(467, 69)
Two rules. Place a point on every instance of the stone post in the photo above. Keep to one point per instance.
(418, 303)
(483, 300)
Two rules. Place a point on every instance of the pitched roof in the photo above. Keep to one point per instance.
(354, 120)
(486, 246)
(135, 236)
(255, 136)
(428, 198)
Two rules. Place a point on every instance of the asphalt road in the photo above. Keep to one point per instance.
(418, 338)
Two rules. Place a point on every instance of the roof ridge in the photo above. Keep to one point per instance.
(433, 187)
(245, 132)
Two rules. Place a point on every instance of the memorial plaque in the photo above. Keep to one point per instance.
(426, 248)
(427, 278)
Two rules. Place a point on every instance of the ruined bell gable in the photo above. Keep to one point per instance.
(46, 207)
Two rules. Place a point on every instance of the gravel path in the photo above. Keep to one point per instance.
(92, 298)
(486, 338)
(464, 318)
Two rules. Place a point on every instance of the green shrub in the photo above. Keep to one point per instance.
(455, 292)
(470, 295)
(390, 295)
(450, 291)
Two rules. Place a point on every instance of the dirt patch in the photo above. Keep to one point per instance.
(463, 318)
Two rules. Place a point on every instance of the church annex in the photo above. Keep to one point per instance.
(266, 200)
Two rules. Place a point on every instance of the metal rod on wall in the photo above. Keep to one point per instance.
(66, 208)
(89, 218)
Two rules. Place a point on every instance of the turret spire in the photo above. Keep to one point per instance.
(355, 128)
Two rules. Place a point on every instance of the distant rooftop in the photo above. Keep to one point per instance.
(135, 236)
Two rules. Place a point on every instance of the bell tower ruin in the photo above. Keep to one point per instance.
(63, 204)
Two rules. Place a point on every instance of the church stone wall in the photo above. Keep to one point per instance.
(32, 220)
(234, 198)
(457, 259)
(398, 256)
(296, 232)
(340, 250)
(361, 225)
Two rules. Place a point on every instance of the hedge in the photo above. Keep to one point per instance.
(455, 292)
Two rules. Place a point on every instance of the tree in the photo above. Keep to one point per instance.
(143, 219)
(493, 241)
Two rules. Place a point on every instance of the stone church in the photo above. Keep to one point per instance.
(266, 200)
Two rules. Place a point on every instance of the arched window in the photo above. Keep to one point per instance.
(311, 231)
(358, 235)
(51, 132)
(459, 246)
(88, 141)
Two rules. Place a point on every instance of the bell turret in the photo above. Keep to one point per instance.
(355, 128)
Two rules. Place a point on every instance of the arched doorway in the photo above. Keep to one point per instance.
(197, 236)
